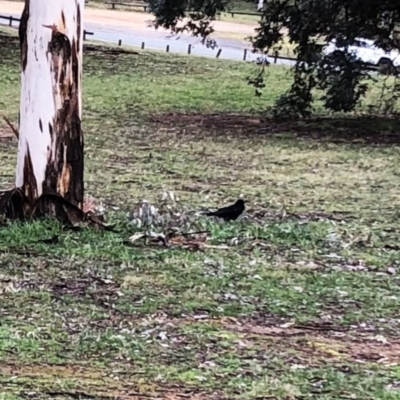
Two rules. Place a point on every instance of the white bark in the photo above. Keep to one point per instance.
(260, 5)
(43, 90)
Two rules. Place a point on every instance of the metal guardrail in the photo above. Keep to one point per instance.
(261, 60)
(233, 13)
(117, 3)
(11, 19)
(146, 7)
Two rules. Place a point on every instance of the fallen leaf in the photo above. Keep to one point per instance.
(136, 236)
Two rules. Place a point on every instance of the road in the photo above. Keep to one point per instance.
(132, 29)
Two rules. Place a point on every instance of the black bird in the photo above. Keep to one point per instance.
(229, 213)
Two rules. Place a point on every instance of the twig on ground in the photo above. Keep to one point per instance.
(16, 133)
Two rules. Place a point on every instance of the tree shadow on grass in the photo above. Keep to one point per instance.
(362, 130)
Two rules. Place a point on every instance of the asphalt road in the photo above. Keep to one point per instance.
(157, 40)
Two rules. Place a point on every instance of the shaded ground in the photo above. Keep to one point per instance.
(367, 130)
(298, 299)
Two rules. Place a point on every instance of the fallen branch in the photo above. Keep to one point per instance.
(11, 126)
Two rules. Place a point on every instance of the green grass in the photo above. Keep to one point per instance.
(296, 307)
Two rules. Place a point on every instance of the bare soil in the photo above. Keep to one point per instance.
(363, 130)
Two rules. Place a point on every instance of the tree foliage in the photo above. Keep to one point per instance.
(200, 12)
(308, 24)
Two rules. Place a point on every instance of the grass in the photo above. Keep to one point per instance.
(303, 304)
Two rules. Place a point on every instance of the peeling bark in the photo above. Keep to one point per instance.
(50, 150)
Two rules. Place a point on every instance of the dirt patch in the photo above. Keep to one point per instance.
(378, 131)
(47, 379)
(208, 120)
(36, 370)
(350, 346)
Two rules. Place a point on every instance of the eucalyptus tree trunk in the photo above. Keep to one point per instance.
(50, 148)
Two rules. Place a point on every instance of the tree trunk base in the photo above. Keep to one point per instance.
(14, 205)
